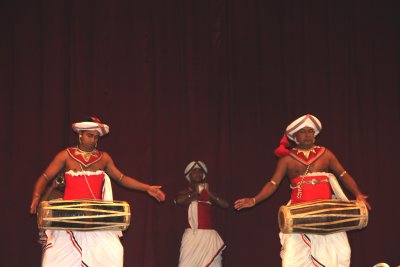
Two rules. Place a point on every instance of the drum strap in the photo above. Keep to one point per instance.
(87, 182)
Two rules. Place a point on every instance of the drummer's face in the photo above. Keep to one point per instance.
(305, 137)
(196, 175)
(88, 139)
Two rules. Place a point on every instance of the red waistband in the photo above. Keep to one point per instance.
(308, 178)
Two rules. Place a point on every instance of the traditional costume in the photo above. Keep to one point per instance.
(304, 250)
(201, 245)
(85, 248)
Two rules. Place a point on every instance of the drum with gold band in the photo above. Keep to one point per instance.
(83, 215)
(323, 217)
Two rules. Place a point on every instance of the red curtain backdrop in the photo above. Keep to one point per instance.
(210, 80)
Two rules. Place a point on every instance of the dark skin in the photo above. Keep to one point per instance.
(185, 197)
(287, 166)
(88, 142)
(54, 190)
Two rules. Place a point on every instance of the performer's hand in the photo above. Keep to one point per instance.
(34, 204)
(155, 192)
(244, 203)
(198, 188)
(363, 198)
(201, 187)
(206, 187)
(42, 238)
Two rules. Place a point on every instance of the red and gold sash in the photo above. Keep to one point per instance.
(83, 157)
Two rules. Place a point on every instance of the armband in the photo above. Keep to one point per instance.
(45, 176)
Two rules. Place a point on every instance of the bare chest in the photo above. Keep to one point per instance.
(296, 168)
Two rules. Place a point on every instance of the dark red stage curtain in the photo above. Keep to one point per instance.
(210, 80)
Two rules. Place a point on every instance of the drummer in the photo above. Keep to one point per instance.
(87, 176)
(312, 172)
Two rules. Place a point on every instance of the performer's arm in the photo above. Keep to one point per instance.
(48, 191)
(130, 182)
(268, 189)
(218, 201)
(52, 191)
(55, 166)
(222, 203)
(346, 178)
(185, 197)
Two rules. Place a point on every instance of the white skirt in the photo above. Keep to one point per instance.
(79, 248)
(200, 248)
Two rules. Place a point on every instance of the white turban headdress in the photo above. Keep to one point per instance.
(195, 165)
(91, 123)
(304, 121)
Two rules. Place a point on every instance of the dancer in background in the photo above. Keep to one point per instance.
(201, 244)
